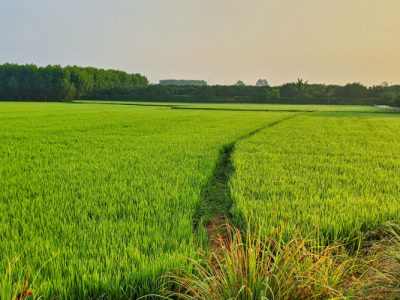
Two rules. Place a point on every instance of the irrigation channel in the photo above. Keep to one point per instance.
(214, 211)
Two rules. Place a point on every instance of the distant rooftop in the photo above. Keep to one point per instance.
(181, 82)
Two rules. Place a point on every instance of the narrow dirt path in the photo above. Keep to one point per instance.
(215, 208)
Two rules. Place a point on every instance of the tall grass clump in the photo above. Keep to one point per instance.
(380, 264)
(250, 267)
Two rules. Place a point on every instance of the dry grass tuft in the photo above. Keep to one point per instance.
(248, 268)
(381, 264)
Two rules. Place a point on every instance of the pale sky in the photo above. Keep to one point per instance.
(330, 41)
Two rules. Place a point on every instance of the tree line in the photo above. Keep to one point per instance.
(56, 83)
(299, 92)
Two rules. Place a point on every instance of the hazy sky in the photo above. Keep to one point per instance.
(332, 41)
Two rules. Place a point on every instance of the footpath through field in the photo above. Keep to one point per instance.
(215, 209)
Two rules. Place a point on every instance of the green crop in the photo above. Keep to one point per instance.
(101, 198)
(332, 174)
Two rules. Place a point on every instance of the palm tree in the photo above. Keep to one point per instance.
(301, 86)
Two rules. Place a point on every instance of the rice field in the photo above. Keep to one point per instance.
(99, 199)
(337, 173)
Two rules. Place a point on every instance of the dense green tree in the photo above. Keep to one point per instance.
(55, 83)
(288, 90)
(354, 91)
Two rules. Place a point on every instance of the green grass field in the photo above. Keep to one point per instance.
(100, 198)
